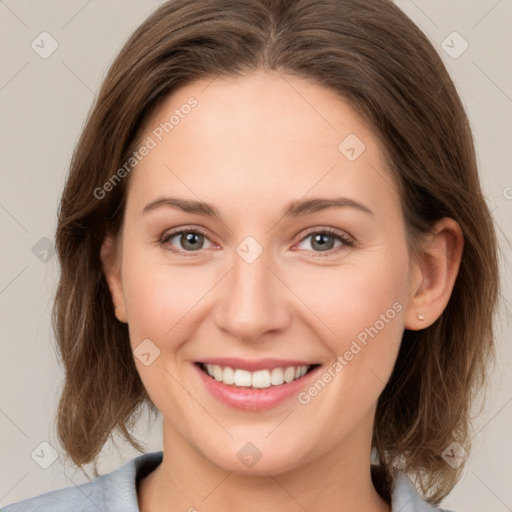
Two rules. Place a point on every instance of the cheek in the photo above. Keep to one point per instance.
(161, 300)
(162, 304)
(359, 310)
(363, 307)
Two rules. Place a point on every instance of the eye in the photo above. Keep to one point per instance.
(324, 240)
(189, 240)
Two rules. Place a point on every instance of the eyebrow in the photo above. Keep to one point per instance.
(293, 209)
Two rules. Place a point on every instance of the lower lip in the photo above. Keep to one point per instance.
(254, 399)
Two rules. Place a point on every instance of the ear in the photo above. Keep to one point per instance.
(112, 269)
(433, 274)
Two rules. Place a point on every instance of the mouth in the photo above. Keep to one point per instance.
(254, 385)
(273, 376)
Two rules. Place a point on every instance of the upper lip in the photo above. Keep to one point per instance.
(254, 365)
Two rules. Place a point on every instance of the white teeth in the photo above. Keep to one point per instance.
(277, 377)
(261, 379)
(258, 379)
(229, 375)
(242, 378)
(217, 372)
(289, 374)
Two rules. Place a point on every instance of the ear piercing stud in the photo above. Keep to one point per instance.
(116, 306)
(420, 317)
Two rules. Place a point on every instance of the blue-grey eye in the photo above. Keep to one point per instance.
(187, 240)
(324, 240)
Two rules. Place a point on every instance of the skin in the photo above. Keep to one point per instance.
(252, 145)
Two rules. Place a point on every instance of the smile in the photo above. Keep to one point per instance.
(260, 379)
(254, 385)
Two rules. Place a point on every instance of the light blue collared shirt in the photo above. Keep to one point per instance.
(117, 492)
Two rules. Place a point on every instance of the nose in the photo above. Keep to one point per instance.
(254, 301)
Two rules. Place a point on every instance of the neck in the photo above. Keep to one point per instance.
(338, 480)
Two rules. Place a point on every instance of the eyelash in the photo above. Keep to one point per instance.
(346, 242)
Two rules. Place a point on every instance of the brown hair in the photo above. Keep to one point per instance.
(369, 53)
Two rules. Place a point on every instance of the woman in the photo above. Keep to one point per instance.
(273, 233)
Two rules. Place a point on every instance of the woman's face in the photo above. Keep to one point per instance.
(260, 285)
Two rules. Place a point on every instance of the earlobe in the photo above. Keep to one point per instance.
(437, 268)
(112, 271)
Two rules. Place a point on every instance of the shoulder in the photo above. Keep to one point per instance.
(405, 497)
(113, 491)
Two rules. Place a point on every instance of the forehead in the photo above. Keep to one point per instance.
(260, 137)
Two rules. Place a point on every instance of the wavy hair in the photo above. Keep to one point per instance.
(370, 54)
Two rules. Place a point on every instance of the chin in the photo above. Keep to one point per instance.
(249, 460)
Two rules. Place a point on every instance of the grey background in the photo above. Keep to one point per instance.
(44, 102)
